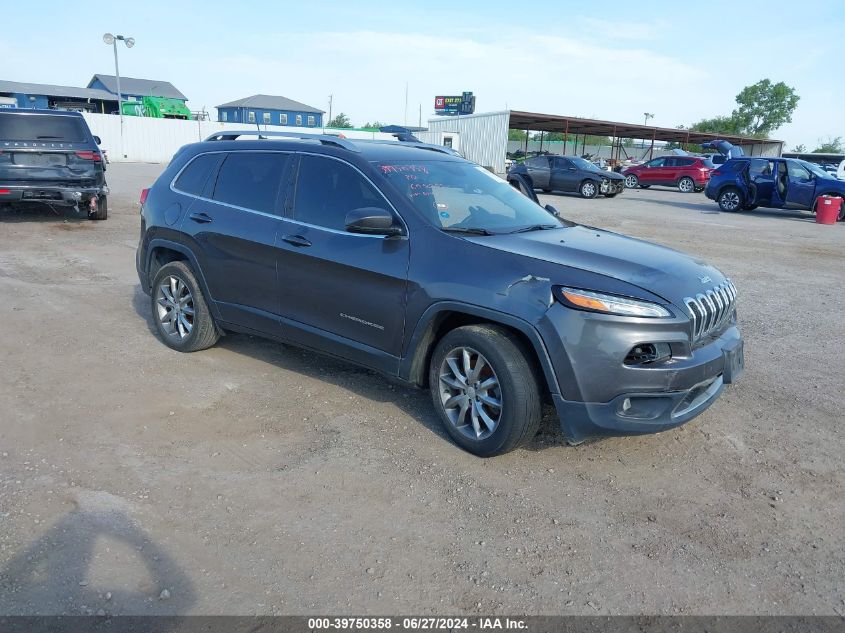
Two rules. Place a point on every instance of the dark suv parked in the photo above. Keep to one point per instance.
(428, 268)
(50, 156)
(568, 173)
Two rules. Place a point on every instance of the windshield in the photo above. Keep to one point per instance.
(818, 171)
(580, 163)
(457, 195)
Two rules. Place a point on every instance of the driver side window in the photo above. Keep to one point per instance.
(797, 171)
(328, 189)
(657, 162)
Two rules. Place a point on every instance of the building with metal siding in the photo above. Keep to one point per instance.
(481, 138)
(134, 89)
(47, 96)
(270, 110)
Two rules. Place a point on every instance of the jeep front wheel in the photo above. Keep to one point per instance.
(485, 389)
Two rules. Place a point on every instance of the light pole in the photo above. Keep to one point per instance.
(647, 115)
(111, 40)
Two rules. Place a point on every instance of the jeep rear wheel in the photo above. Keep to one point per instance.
(730, 199)
(180, 312)
(102, 211)
(485, 389)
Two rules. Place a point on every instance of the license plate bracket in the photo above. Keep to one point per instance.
(734, 355)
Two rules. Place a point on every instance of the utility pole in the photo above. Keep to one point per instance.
(330, 110)
(647, 115)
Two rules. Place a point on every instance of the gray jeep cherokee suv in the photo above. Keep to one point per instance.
(426, 267)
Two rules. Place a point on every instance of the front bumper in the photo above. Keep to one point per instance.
(612, 186)
(58, 195)
(599, 395)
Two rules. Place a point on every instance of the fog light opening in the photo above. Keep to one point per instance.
(645, 353)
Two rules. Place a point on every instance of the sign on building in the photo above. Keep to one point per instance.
(454, 105)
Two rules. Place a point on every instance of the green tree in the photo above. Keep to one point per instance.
(719, 125)
(764, 107)
(373, 126)
(833, 145)
(341, 121)
(799, 149)
(517, 135)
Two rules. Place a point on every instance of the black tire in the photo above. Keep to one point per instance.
(203, 333)
(730, 199)
(686, 185)
(102, 211)
(632, 181)
(699, 189)
(610, 195)
(589, 189)
(510, 363)
(642, 186)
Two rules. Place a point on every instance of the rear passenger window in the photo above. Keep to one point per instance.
(251, 180)
(328, 189)
(193, 178)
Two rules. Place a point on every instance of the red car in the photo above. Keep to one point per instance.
(687, 173)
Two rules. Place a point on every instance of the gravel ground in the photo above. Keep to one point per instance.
(254, 478)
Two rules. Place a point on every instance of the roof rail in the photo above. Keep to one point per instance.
(420, 145)
(326, 139)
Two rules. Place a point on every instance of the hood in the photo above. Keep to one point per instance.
(662, 271)
(610, 175)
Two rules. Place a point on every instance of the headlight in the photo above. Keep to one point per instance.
(609, 304)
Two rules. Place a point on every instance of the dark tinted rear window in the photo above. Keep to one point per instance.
(251, 180)
(195, 176)
(37, 127)
(685, 162)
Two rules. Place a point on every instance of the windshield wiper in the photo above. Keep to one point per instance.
(48, 136)
(537, 227)
(476, 230)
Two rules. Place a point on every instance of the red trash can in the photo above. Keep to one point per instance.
(827, 209)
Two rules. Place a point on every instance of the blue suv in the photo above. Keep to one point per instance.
(413, 262)
(780, 183)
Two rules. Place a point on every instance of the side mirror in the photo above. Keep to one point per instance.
(97, 139)
(552, 210)
(372, 221)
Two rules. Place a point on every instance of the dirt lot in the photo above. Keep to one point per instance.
(256, 478)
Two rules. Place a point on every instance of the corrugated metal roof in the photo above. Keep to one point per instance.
(575, 125)
(143, 87)
(270, 102)
(55, 91)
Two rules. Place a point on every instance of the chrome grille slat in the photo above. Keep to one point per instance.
(711, 310)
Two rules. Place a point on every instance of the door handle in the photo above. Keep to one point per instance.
(202, 218)
(296, 240)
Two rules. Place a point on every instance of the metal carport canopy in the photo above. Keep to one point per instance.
(594, 127)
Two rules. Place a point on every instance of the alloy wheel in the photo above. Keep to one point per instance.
(631, 181)
(686, 185)
(175, 307)
(730, 200)
(588, 190)
(470, 393)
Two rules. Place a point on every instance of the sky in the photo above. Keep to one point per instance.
(681, 61)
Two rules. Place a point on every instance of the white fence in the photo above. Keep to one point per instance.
(148, 140)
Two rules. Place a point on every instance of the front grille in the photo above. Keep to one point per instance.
(711, 310)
